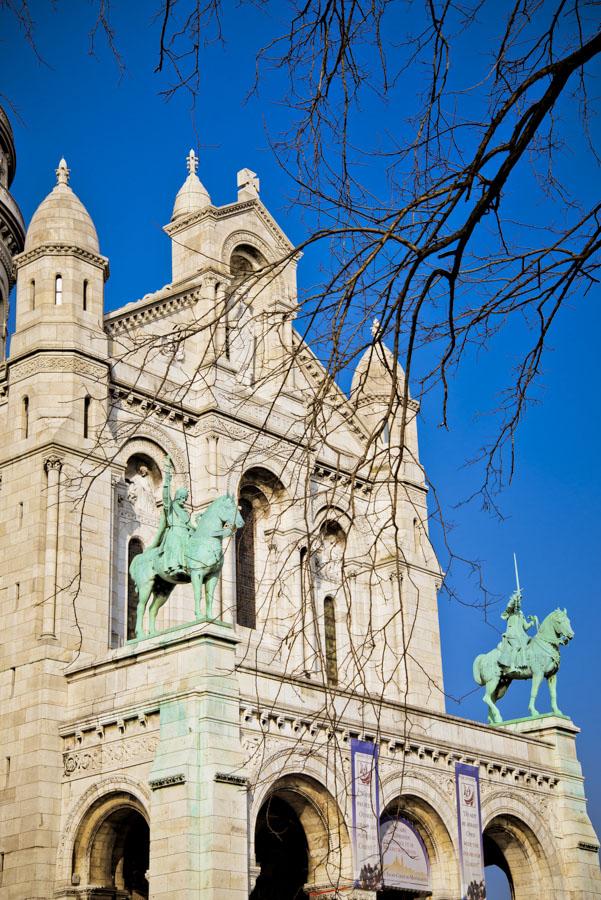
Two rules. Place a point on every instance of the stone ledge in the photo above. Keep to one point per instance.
(157, 645)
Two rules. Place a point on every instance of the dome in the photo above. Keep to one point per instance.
(62, 218)
(193, 195)
(375, 373)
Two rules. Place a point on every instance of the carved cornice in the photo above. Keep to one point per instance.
(150, 311)
(58, 249)
(145, 405)
(344, 479)
(270, 723)
(44, 361)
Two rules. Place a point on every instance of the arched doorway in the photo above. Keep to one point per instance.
(112, 850)
(281, 853)
(301, 843)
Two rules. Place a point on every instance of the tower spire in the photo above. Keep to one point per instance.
(63, 172)
(192, 162)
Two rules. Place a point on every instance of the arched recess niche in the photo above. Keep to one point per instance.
(323, 828)
(260, 497)
(138, 471)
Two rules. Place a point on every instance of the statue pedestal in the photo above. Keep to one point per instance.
(571, 819)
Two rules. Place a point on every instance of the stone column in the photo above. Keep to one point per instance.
(228, 583)
(53, 467)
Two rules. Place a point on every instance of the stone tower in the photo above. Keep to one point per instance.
(12, 228)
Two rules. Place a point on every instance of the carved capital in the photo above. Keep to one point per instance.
(53, 463)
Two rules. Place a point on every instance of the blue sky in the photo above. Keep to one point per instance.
(126, 148)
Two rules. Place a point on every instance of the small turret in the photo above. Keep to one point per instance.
(60, 276)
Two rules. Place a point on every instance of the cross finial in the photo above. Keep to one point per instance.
(62, 173)
(375, 328)
(192, 162)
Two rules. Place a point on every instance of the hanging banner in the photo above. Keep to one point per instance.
(405, 862)
(471, 854)
(366, 815)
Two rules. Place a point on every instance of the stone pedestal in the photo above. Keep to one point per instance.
(199, 808)
(578, 841)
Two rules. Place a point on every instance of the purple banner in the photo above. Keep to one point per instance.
(469, 819)
(366, 815)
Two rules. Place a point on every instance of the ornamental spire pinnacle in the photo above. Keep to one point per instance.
(63, 172)
(192, 162)
(375, 328)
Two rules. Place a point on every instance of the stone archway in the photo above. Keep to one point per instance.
(111, 849)
(511, 845)
(300, 835)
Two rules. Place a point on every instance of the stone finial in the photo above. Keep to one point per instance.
(192, 162)
(375, 328)
(248, 184)
(62, 173)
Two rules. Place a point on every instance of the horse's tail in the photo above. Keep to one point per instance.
(476, 670)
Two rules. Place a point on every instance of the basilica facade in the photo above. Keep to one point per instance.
(219, 757)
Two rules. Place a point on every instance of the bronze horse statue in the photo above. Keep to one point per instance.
(203, 558)
(541, 660)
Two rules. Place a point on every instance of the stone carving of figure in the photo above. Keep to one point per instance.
(515, 640)
(176, 523)
(328, 558)
(141, 493)
(243, 342)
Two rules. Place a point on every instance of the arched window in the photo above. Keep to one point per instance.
(245, 566)
(259, 493)
(58, 290)
(134, 547)
(32, 293)
(329, 621)
(244, 260)
(85, 295)
(86, 416)
(25, 417)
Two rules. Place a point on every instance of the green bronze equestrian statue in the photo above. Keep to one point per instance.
(182, 552)
(519, 656)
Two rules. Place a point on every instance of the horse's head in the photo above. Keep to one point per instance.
(562, 625)
(229, 512)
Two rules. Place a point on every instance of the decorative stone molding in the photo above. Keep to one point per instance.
(226, 778)
(152, 407)
(149, 310)
(68, 362)
(58, 249)
(338, 477)
(157, 784)
(420, 753)
(106, 756)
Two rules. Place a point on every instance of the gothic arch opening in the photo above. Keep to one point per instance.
(112, 850)
(512, 846)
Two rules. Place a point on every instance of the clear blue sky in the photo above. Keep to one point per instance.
(126, 147)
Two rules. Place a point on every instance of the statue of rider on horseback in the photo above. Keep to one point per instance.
(520, 657)
(183, 552)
